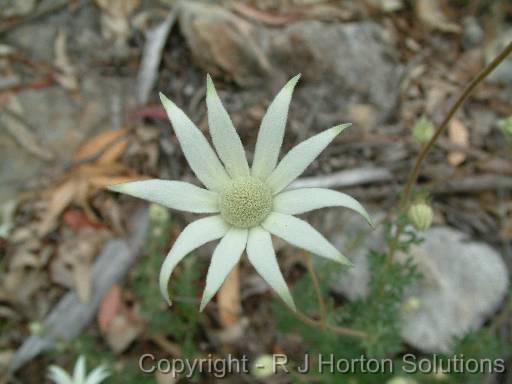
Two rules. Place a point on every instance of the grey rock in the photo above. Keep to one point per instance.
(473, 34)
(342, 64)
(463, 283)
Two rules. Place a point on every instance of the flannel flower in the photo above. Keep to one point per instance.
(59, 376)
(248, 203)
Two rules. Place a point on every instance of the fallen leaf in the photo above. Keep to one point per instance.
(109, 307)
(166, 378)
(66, 72)
(100, 145)
(11, 119)
(123, 329)
(62, 196)
(75, 255)
(76, 219)
(228, 299)
(430, 13)
(115, 15)
(458, 135)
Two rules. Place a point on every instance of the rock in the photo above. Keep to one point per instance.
(342, 64)
(223, 43)
(463, 283)
(473, 34)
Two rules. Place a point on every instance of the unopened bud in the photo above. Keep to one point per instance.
(423, 130)
(420, 215)
(401, 380)
(506, 126)
(412, 304)
(263, 366)
(158, 214)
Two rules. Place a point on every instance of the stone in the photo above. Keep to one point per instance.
(342, 64)
(463, 283)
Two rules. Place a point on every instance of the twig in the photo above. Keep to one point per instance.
(343, 331)
(348, 178)
(51, 8)
(318, 291)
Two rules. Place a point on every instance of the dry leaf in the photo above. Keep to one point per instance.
(123, 329)
(102, 145)
(66, 72)
(228, 299)
(61, 198)
(109, 307)
(11, 119)
(430, 13)
(75, 255)
(458, 135)
(166, 378)
(115, 25)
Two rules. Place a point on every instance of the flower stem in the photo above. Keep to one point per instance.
(413, 176)
(343, 331)
(318, 291)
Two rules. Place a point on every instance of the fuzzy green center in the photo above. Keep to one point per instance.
(245, 202)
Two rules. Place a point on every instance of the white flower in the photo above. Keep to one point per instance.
(60, 376)
(249, 203)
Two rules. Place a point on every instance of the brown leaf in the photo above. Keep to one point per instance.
(102, 142)
(458, 135)
(109, 307)
(228, 299)
(430, 13)
(61, 198)
(123, 329)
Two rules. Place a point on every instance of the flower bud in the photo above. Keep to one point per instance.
(158, 214)
(263, 367)
(412, 304)
(423, 130)
(506, 126)
(420, 215)
(401, 380)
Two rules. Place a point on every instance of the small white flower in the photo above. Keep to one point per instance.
(249, 204)
(60, 376)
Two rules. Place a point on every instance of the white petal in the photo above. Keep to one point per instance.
(79, 371)
(98, 375)
(58, 375)
(193, 236)
(300, 156)
(270, 135)
(172, 194)
(262, 256)
(224, 136)
(303, 200)
(225, 257)
(200, 155)
(301, 234)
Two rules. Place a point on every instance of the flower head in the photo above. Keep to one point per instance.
(59, 376)
(421, 216)
(248, 203)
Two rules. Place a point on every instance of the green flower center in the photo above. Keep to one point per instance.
(245, 202)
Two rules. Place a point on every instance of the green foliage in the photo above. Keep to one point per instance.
(181, 320)
(379, 316)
